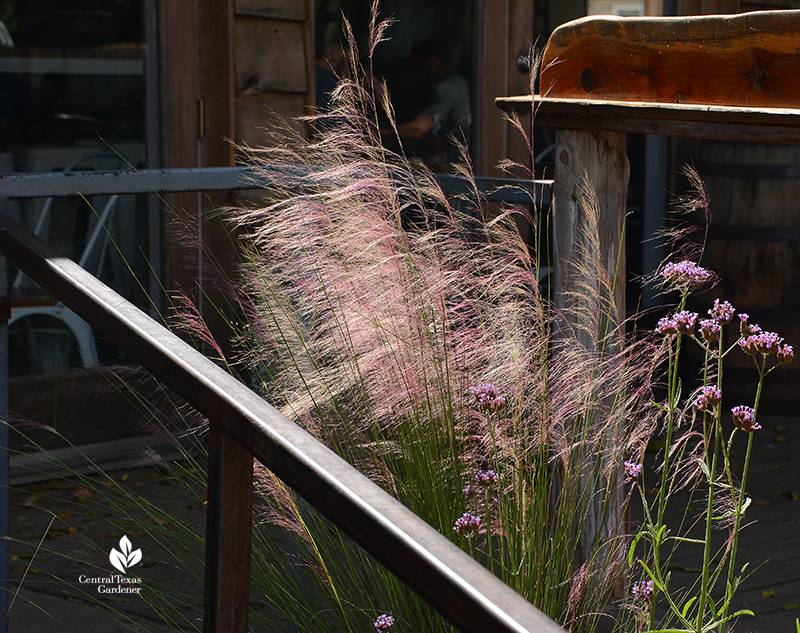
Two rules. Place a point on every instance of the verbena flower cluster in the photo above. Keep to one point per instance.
(701, 449)
(682, 322)
(710, 397)
(710, 330)
(384, 623)
(753, 339)
(486, 478)
(744, 419)
(467, 524)
(722, 312)
(488, 398)
(686, 274)
(762, 343)
(643, 591)
(633, 470)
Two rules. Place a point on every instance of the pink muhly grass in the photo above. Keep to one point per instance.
(188, 318)
(370, 330)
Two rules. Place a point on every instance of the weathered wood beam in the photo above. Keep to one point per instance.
(597, 160)
(589, 167)
(748, 59)
(765, 125)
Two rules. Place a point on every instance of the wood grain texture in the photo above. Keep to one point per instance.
(226, 600)
(598, 159)
(257, 116)
(768, 125)
(270, 55)
(750, 59)
(276, 9)
(585, 236)
(503, 31)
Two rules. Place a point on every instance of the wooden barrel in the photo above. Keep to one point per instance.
(754, 246)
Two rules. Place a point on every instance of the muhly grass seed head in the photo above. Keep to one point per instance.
(363, 323)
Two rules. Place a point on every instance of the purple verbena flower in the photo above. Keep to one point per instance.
(722, 312)
(633, 470)
(709, 398)
(488, 398)
(710, 329)
(761, 343)
(769, 343)
(745, 327)
(667, 327)
(685, 321)
(744, 419)
(467, 524)
(748, 345)
(785, 354)
(384, 623)
(685, 274)
(486, 478)
(643, 591)
(469, 491)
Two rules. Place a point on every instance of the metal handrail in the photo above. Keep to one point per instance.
(459, 587)
(34, 185)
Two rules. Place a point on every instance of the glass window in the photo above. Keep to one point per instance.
(427, 63)
(73, 98)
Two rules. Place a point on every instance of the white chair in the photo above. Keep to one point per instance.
(28, 300)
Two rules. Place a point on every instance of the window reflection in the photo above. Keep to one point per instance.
(72, 98)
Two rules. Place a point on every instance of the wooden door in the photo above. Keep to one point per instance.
(273, 65)
(504, 37)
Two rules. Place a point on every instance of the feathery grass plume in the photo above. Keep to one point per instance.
(377, 311)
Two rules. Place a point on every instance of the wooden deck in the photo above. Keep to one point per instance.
(770, 543)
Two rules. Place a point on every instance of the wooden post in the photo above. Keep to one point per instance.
(229, 519)
(597, 160)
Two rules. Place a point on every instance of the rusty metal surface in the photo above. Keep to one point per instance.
(450, 580)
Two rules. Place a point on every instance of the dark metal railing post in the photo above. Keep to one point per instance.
(5, 315)
(229, 519)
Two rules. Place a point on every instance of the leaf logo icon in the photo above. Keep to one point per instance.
(126, 556)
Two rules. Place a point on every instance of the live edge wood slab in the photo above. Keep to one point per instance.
(727, 77)
(731, 77)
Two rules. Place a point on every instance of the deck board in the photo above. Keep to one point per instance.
(770, 541)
